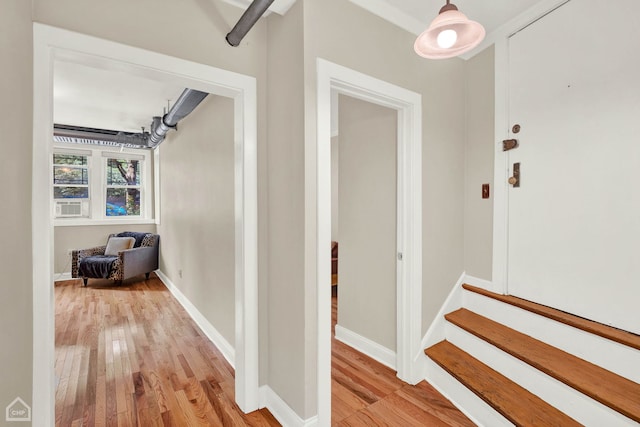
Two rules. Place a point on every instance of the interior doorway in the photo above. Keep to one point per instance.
(52, 44)
(333, 78)
(364, 226)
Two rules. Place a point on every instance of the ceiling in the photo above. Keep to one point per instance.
(112, 99)
(415, 15)
(108, 99)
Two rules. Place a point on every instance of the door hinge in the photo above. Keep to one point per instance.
(509, 144)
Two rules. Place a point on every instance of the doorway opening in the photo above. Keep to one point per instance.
(333, 78)
(364, 226)
(53, 44)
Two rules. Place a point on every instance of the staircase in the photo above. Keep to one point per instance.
(507, 361)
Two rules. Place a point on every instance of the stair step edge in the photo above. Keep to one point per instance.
(604, 386)
(618, 335)
(611, 355)
(575, 404)
(508, 398)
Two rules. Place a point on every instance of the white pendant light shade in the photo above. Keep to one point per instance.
(449, 35)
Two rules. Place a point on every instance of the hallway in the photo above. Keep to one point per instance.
(131, 355)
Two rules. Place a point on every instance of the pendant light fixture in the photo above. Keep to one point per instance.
(450, 34)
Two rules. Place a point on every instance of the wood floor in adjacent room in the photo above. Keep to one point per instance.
(131, 356)
(366, 393)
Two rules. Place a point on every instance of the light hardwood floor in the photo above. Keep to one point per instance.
(367, 393)
(131, 355)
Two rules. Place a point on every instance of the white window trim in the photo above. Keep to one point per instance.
(97, 158)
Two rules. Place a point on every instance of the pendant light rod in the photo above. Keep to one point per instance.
(448, 6)
(248, 19)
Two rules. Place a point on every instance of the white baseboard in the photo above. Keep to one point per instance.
(209, 330)
(436, 331)
(281, 411)
(365, 345)
(479, 283)
(61, 277)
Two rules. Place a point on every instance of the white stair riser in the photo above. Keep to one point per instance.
(573, 403)
(464, 399)
(610, 355)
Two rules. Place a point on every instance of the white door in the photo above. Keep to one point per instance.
(574, 222)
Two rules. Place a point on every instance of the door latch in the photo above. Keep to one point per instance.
(515, 179)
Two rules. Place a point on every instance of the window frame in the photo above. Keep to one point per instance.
(97, 158)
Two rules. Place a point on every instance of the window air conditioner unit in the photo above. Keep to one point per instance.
(68, 208)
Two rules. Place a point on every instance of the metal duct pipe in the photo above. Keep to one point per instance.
(186, 103)
(248, 19)
(84, 135)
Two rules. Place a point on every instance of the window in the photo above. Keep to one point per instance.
(70, 176)
(71, 184)
(97, 185)
(123, 187)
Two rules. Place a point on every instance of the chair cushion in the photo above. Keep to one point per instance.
(136, 235)
(117, 244)
(96, 266)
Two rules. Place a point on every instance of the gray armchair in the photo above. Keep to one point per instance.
(142, 258)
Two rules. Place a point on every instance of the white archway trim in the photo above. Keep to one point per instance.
(333, 77)
(51, 44)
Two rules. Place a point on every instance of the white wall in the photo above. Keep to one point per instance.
(285, 97)
(478, 170)
(367, 261)
(197, 205)
(16, 105)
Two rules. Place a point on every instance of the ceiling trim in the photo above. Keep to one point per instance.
(281, 7)
(393, 15)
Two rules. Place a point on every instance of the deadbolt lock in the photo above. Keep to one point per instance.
(509, 144)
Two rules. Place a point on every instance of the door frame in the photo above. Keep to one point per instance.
(336, 78)
(51, 44)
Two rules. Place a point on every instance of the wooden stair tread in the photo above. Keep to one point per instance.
(515, 403)
(604, 331)
(598, 383)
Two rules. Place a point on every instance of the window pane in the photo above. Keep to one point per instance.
(69, 159)
(123, 172)
(123, 201)
(70, 192)
(68, 175)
